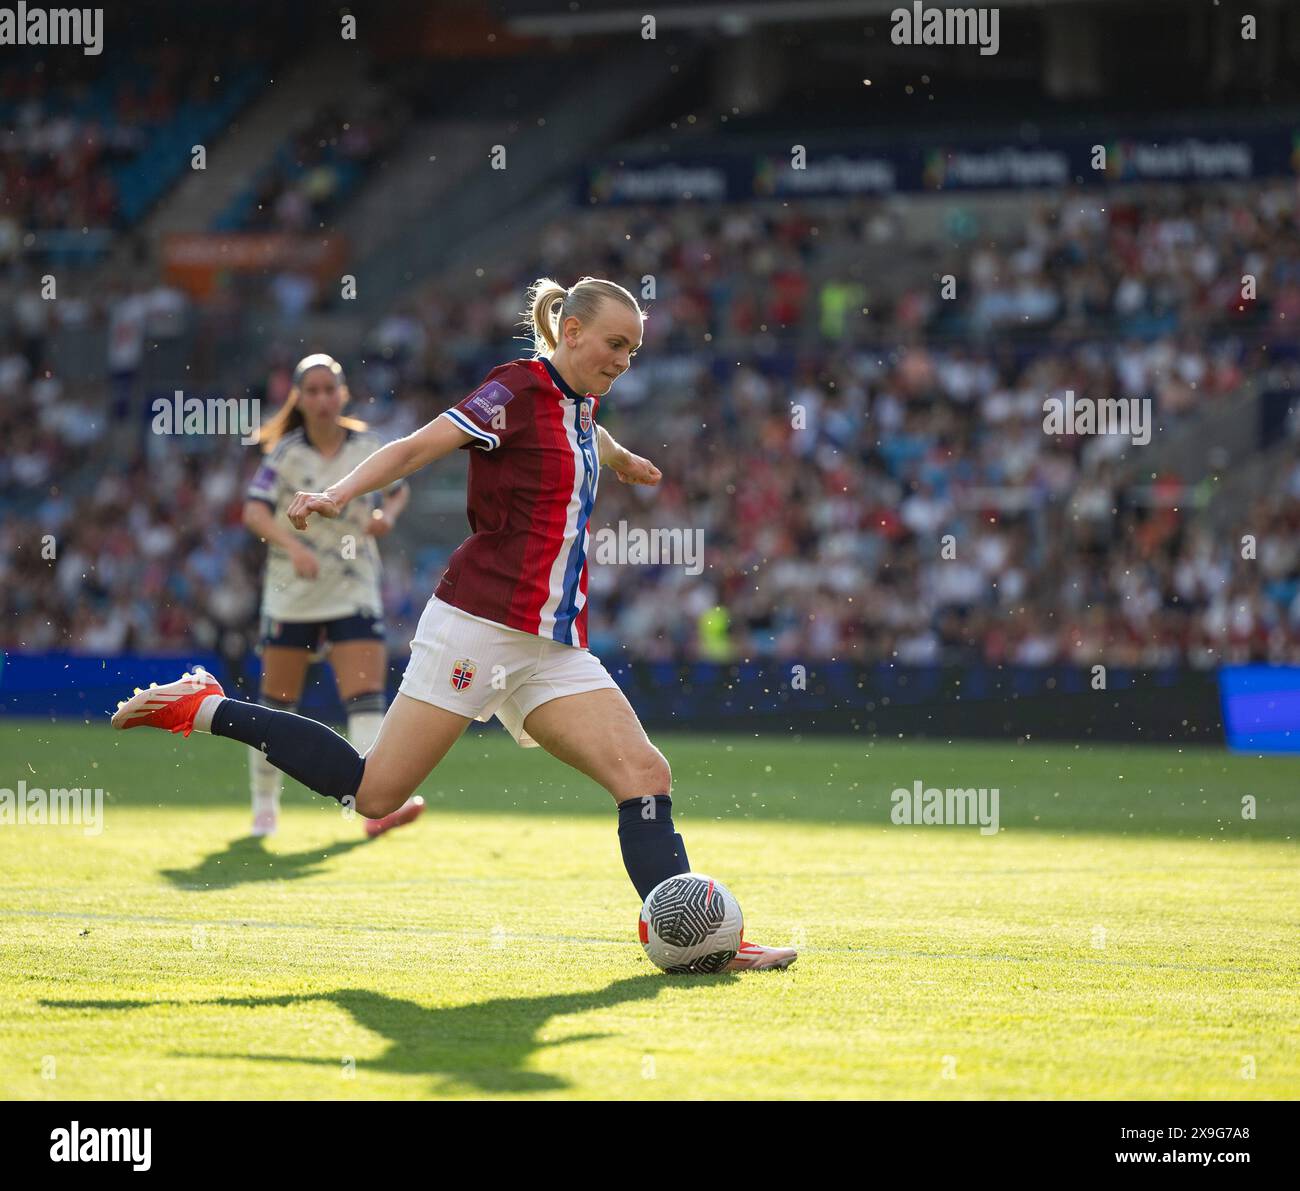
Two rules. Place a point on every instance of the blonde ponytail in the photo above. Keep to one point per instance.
(544, 314)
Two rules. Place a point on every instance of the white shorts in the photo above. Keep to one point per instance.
(479, 669)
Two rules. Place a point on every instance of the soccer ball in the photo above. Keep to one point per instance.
(691, 923)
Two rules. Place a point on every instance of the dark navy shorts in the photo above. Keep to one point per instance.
(313, 634)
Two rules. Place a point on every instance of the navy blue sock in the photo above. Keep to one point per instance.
(310, 752)
(652, 849)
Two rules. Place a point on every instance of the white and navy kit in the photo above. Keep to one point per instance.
(347, 583)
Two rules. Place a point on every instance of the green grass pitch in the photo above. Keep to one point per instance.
(1127, 933)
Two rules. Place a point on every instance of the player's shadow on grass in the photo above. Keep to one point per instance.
(482, 1046)
(246, 860)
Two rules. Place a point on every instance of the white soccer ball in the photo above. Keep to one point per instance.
(691, 923)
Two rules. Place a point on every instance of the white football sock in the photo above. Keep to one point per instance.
(207, 709)
(265, 782)
(363, 729)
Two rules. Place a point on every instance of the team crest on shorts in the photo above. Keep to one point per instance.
(462, 674)
(584, 416)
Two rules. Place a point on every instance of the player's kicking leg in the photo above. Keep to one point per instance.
(620, 756)
(414, 737)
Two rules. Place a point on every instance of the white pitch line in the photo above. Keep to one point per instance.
(532, 937)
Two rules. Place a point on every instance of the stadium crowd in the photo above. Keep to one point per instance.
(316, 168)
(823, 464)
(64, 136)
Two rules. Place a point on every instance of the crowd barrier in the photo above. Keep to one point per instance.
(1260, 705)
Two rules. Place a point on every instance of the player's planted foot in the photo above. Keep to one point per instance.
(171, 706)
(265, 823)
(408, 812)
(752, 958)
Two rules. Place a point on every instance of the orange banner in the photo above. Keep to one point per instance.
(194, 260)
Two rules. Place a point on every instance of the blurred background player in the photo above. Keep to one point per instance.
(321, 593)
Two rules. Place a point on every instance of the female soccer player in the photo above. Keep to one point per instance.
(321, 589)
(505, 633)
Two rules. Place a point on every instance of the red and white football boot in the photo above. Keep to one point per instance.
(408, 812)
(171, 706)
(753, 958)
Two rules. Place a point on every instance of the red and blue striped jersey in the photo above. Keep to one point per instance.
(532, 484)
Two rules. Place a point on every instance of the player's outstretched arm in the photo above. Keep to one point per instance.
(630, 468)
(382, 469)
